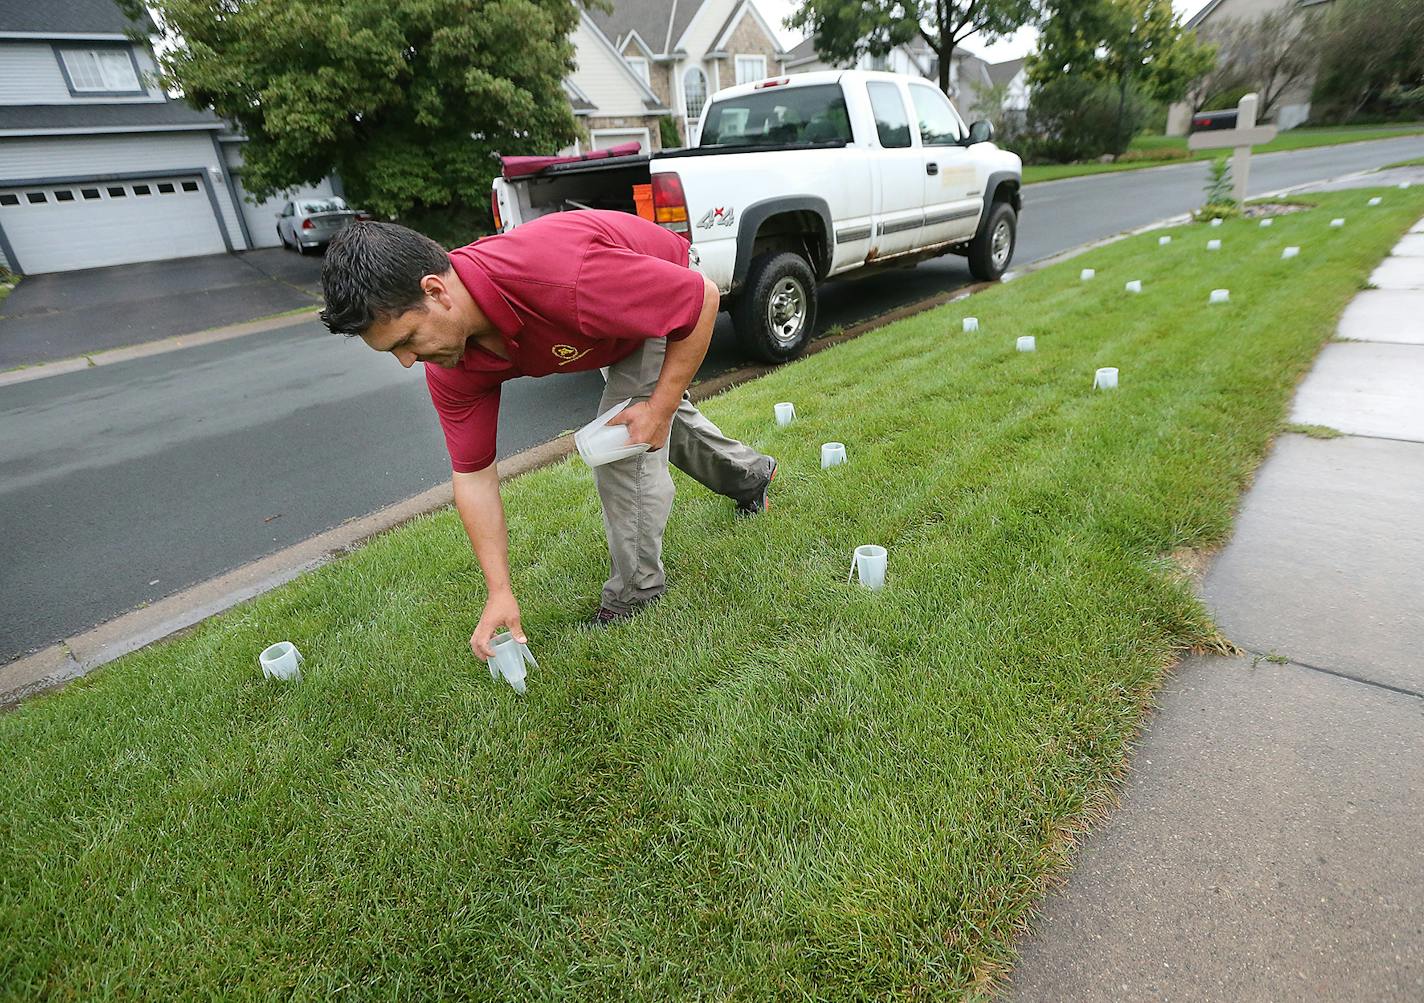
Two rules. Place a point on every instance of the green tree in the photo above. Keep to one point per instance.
(1372, 60)
(845, 30)
(1134, 45)
(409, 101)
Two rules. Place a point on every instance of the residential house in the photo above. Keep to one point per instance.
(684, 50)
(98, 166)
(1012, 75)
(968, 74)
(614, 102)
(1215, 22)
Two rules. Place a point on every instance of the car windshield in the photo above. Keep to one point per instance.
(332, 204)
(777, 116)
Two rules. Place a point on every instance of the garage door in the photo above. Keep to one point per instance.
(605, 138)
(87, 224)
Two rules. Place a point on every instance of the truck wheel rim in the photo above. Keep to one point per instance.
(1002, 239)
(786, 312)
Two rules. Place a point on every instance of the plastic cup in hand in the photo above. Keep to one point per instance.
(509, 658)
(1105, 379)
(1135, 286)
(1216, 221)
(971, 324)
(1163, 241)
(833, 454)
(1337, 222)
(1290, 252)
(281, 661)
(785, 413)
(1026, 344)
(1213, 245)
(1376, 200)
(1267, 222)
(869, 565)
(1086, 274)
(599, 442)
(1220, 296)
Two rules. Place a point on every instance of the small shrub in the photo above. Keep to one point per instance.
(1220, 200)
(1072, 118)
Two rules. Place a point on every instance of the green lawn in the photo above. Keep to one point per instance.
(772, 785)
(1419, 162)
(1173, 149)
(7, 285)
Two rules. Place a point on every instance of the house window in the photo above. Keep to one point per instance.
(8, 199)
(891, 121)
(90, 194)
(640, 67)
(750, 68)
(117, 192)
(36, 198)
(63, 195)
(100, 71)
(190, 186)
(165, 187)
(142, 190)
(939, 126)
(881, 62)
(694, 91)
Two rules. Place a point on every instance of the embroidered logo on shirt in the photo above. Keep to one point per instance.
(568, 353)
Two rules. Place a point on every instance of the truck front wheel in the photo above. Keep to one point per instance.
(993, 248)
(776, 311)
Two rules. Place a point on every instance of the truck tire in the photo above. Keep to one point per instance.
(776, 311)
(993, 248)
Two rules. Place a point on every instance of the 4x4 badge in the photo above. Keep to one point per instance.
(717, 217)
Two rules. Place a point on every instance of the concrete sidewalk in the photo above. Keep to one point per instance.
(1268, 846)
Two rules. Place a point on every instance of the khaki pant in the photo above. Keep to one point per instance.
(637, 491)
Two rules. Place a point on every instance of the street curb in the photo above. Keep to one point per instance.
(128, 353)
(77, 656)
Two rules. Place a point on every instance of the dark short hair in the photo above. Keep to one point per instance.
(372, 273)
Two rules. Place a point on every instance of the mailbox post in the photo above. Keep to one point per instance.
(1246, 135)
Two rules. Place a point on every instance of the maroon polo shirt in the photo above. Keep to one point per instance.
(568, 292)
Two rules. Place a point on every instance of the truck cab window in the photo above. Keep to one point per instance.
(892, 122)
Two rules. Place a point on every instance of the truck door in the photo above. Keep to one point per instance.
(953, 196)
(899, 167)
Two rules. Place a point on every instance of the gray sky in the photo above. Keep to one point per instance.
(1018, 44)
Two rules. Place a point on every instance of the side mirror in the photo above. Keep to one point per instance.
(981, 131)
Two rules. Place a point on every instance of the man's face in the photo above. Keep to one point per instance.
(434, 331)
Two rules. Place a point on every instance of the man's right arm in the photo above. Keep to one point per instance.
(478, 502)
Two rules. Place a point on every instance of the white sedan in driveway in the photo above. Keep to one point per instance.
(307, 224)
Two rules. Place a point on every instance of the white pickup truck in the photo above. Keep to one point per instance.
(795, 180)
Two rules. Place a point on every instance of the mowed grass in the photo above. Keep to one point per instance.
(1173, 149)
(771, 785)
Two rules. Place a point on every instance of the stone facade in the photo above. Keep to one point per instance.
(658, 78)
(748, 39)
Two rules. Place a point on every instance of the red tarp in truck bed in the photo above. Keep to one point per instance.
(519, 167)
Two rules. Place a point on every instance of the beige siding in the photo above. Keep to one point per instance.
(748, 39)
(599, 75)
(30, 74)
(706, 23)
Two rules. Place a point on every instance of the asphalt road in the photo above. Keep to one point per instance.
(124, 483)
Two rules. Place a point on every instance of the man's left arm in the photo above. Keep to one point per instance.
(651, 422)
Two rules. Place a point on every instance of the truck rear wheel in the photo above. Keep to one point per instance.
(993, 248)
(776, 312)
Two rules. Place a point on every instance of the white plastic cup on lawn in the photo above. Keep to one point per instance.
(1267, 222)
(1403, 185)
(1027, 344)
(1105, 379)
(508, 661)
(1376, 200)
(281, 661)
(869, 564)
(1337, 222)
(599, 442)
(1290, 252)
(1135, 286)
(1164, 241)
(785, 413)
(971, 324)
(1086, 274)
(1220, 296)
(1213, 245)
(833, 454)
(1216, 221)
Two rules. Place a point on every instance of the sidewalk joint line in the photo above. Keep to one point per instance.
(1337, 674)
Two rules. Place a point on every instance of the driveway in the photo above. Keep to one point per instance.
(68, 314)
